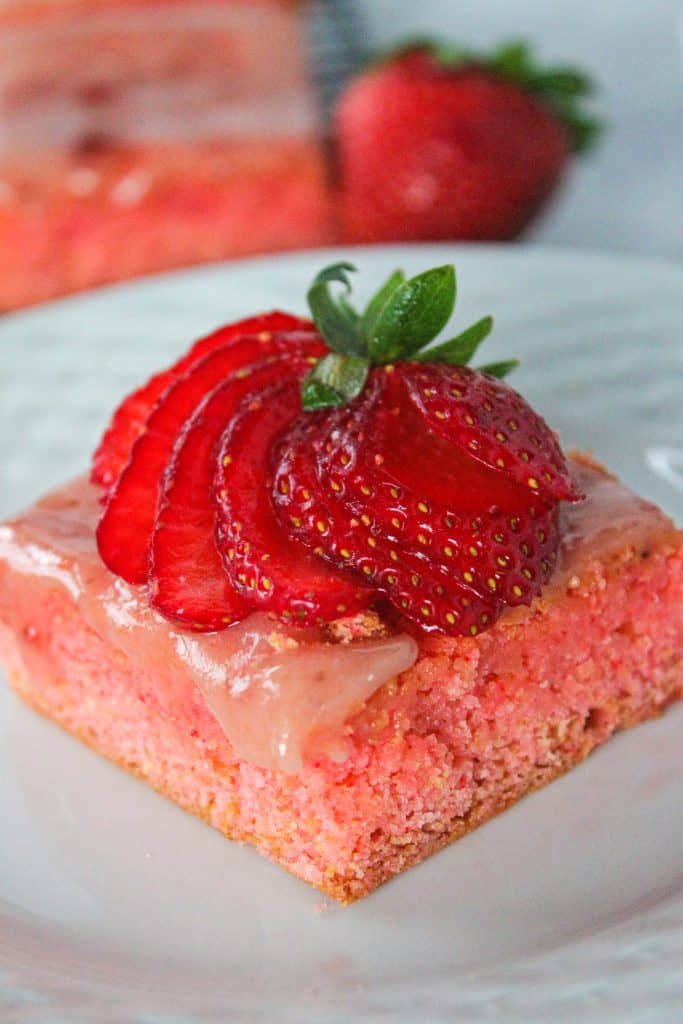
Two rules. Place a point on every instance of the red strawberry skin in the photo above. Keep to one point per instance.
(485, 418)
(189, 583)
(430, 153)
(448, 540)
(124, 533)
(130, 417)
(260, 559)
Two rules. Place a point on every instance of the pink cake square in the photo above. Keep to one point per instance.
(346, 795)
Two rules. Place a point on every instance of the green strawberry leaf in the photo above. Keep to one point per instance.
(568, 82)
(459, 350)
(336, 320)
(348, 309)
(334, 380)
(398, 324)
(316, 395)
(413, 315)
(500, 369)
(586, 131)
(379, 300)
(513, 58)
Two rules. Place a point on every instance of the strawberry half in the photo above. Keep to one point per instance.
(260, 560)
(124, 533)
(129, 418)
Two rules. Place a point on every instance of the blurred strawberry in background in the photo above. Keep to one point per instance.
(438, 142)
(141, 135)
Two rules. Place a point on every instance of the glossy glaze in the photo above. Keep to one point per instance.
(277, 693)
(273, 689)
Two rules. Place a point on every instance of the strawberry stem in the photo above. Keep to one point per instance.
(398, 324)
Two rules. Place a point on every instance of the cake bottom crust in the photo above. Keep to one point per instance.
(158, 768)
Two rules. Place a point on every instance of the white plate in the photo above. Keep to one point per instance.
(117, 906)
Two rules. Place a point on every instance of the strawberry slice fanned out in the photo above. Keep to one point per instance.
(129, 418)
(353, 537)
(259, 557)
(484, 417)
(189, 582)
(341, 490)
(124, 533)
(385, 438)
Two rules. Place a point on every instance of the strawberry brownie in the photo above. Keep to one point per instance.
(340, 594)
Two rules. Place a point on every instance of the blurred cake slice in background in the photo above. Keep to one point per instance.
(139, 136)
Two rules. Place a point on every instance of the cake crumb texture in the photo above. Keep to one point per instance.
(469, 729)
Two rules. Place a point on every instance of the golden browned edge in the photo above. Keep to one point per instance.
(481, 811)
(479, 814)
(349, 891)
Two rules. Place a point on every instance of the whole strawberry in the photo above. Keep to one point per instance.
(438, 142)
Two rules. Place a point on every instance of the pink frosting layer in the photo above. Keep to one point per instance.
(279, 694)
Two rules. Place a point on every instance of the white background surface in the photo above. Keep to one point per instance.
(628, 196)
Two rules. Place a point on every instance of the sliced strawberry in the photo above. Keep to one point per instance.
(484, 416)
(266, 323)
(124, 532)
(129, 418)
(350, 537)
(262, 562)
(449, 541)
(429, 486)
(189, 581)
(437, 499)
(385, 437)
